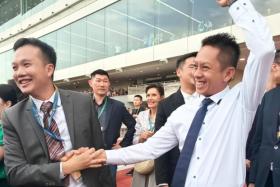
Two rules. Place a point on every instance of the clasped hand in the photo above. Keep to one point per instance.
(76, 160)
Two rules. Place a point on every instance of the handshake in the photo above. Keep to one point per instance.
(76, 160)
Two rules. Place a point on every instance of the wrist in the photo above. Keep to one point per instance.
(66, 168)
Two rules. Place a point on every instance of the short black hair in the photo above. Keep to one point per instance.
(229, 49)
(8, 93)
(99, 72)
(277, 57)
(139, 96)
(159, 88)
(48, 51)
(182, 59)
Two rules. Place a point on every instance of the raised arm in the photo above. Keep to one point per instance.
(260, 43)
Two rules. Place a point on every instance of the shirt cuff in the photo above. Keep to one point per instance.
(61, 175)
(162, 184)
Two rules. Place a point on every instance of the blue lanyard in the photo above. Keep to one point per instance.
(151, 125)
(37, 117)
(102, 109)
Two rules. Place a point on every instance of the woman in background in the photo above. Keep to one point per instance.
(145, 125)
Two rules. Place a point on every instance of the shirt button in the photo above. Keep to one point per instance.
(194, 177)
(276, 147)
(203, 123)
(253, 21)
(197, 158)
(237, 8)
(244, 4)
(199, 139)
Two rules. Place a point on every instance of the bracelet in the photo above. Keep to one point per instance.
(230, 2)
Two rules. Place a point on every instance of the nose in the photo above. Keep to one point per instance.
(197, 73)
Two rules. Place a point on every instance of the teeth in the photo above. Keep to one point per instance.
(23, 81)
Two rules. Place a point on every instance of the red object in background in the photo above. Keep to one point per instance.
(122, 179)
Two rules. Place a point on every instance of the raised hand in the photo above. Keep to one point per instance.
(224, 3)
(145, 135)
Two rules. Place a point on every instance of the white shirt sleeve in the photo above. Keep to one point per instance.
(161, 142)
(260, 43)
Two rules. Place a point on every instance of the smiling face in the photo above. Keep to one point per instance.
(31, 72)
(153, 98)
(210, 77)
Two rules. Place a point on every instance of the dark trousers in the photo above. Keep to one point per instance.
(4, 183)
(113, 169)
(269, 180)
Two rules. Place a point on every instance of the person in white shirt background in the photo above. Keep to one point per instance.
(218, 158)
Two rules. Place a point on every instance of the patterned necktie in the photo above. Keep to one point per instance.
(55, 147)
(182, 166)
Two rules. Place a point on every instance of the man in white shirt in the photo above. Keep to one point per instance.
(218, 158)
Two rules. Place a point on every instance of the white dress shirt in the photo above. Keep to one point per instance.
(190, 98)
(218, 159)
(60, 120)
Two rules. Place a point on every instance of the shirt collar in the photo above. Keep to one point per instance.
(39, 102)
(188, 96)
(216, 98)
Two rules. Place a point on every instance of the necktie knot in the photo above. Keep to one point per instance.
(207, 101)
(46, 107)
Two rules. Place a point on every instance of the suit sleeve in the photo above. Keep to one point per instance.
(161, 169)
(256, 142)
(129, 122)
(19, 171)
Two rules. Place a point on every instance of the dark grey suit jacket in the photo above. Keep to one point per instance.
(165, 165)
(26, 153)
(265, 145)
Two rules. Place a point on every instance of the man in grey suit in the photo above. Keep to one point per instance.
(41, 129)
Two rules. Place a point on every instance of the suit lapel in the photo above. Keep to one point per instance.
(179, 98)
(36, 127)
(68, 109)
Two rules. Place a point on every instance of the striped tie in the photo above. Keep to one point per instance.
(55, 147)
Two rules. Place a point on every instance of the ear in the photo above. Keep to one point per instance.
(89, 82)
(50, 69)
(273, 67)
(229, 74)
(178, 72)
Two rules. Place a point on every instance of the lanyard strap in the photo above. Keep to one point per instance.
(36, 115)
(102, 109)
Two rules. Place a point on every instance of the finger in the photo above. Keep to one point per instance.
(83, 149)
(96, 165)
(92, 150)
(67, 156)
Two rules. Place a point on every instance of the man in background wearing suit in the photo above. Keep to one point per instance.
(137, 103)
(165, 165)
(264, 171)
(111, 114)
(40, 129)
